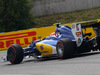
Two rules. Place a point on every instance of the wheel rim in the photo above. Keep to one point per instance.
(11, 55)
(60, 50)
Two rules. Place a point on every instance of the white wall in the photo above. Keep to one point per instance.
(47, 7)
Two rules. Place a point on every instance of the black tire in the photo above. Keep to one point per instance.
(65, 47)
(15, 54)
(98, 42)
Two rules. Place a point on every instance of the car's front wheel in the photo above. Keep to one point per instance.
(15, 54)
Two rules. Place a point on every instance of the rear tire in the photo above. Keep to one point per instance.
(15, 54)
(98, 43)
(65, 48)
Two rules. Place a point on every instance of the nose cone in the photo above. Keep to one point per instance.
(44, 49)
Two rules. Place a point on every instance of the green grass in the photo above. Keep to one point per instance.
(77, 16)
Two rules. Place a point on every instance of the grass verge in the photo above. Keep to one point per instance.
(77, 16)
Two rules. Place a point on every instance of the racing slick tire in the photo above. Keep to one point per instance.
(98, 42)
(65, 48)
(15, 54)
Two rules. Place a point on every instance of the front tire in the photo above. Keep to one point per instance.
(15, 54)
(65, 48)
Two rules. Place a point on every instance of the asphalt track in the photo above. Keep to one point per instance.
(83, 64)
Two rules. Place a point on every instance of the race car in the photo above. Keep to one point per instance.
(64, 42)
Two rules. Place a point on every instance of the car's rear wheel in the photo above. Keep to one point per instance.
(98, 42)
(65, 48)
(15, 54)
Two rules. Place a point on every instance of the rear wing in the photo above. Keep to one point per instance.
(94, 24)
(87, 24)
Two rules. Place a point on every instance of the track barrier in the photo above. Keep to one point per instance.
(24, 37)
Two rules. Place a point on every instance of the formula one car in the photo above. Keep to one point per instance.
(65, 42)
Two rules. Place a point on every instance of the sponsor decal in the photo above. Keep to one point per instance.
(17, 35)
(77, 28)
(44, 49)
(7, 40)
(41, 47)
(78, 34)
(79, 40)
